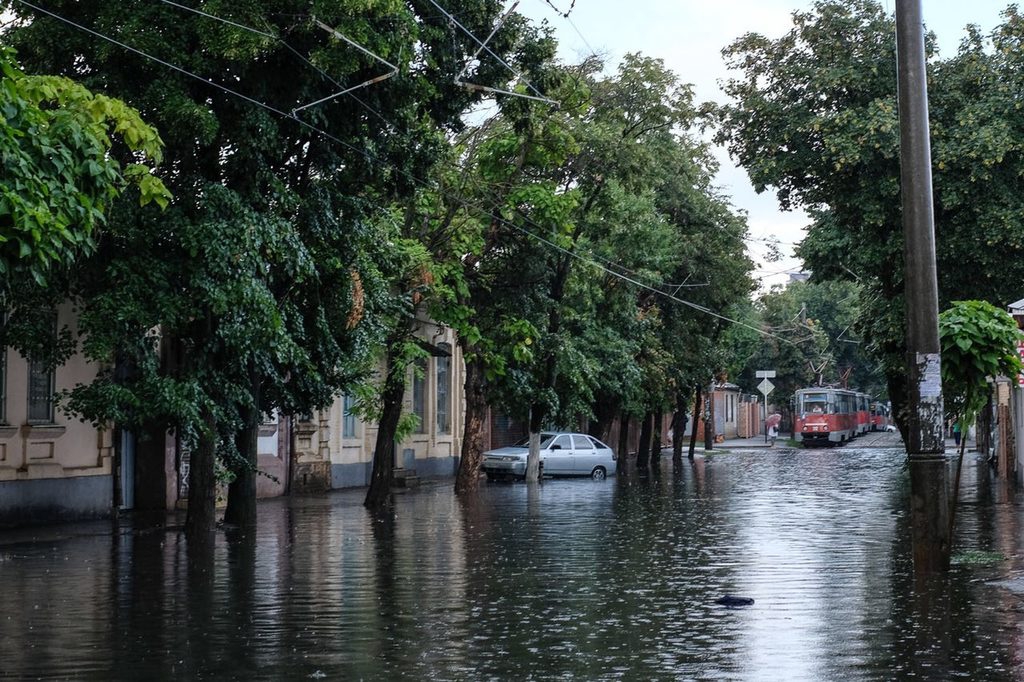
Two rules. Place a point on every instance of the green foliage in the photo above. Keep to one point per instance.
(616, 185)
(60, 171)
(814, 117)
(813, 341)
(979, 342)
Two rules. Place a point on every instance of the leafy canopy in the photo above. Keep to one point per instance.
(60, 169)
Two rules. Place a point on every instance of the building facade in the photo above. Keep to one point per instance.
(52, 467)
(334, 447)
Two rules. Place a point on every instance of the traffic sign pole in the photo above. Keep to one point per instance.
(765, 387)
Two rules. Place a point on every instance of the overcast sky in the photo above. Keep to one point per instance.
(690, 34)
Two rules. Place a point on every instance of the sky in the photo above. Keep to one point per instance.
(689, 36)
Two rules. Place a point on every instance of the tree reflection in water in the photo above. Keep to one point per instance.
(568, 579)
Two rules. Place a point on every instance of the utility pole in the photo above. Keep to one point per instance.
(925, 443)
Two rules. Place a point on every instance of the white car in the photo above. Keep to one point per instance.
(561, 454)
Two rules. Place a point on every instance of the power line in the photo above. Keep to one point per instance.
(345, 91)
(374, 159)
(483, 45)
(372, 109)
(565, 15)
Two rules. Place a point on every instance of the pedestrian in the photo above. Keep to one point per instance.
(773, 433)
(956, 432)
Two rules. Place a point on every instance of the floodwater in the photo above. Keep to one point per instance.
(567, 580)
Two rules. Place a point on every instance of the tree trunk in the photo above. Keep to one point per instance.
(241, 509)
(696, 421)
(656, 436)
(468, 477)
(533, 471)
(956, 486)
(709, 423)
(983, 429)
(379, 495)
(678, 427)
(604, 413)
(202, 483)
(897, 383)
(623, 451)
(643, 451)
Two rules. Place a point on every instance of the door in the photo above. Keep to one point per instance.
(558, 458)
(585, 455)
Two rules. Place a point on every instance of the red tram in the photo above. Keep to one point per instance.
(831, 416)
(881, 416)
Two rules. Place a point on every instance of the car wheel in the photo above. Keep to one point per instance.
(598, 474)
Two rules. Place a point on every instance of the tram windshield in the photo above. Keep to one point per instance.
(816, 403)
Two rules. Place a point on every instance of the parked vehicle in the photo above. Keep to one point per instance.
(561, 454)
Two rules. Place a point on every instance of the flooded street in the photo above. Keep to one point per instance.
(571, 580)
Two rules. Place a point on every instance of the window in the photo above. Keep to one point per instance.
(562, 443)
(348, 417)
(444, 382)
(582, 443)
(419, 393)
(40, 393)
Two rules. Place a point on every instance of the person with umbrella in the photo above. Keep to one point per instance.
(772, 422)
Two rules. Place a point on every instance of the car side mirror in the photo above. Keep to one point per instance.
(556, 446)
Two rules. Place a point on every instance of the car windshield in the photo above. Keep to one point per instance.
(545, 438)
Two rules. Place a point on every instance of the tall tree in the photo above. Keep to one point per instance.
(813, 116)
(259, 278)
(68, 154)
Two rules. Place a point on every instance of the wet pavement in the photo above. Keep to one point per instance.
(568, 580)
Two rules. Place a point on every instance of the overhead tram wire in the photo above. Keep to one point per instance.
(372, 158)
(565, 16)
(377, 113)
(344, 91)
(540, 97)
(362, 103)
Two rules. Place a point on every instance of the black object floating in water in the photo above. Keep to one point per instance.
(729, 600)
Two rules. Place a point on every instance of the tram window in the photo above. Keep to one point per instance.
(816, 403)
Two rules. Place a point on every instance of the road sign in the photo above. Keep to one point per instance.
(765, 374)
(766, 387)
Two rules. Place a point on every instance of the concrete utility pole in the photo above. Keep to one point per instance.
(925, 442)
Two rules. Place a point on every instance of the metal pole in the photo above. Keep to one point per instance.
(925, 443)
(765, 423)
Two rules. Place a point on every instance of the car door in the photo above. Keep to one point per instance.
(558, 458)
(584, 454)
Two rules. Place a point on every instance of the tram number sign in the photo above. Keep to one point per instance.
(766, 387)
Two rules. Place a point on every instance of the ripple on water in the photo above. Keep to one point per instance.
(574, 580)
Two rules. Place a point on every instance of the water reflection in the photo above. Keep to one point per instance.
(569, 579)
